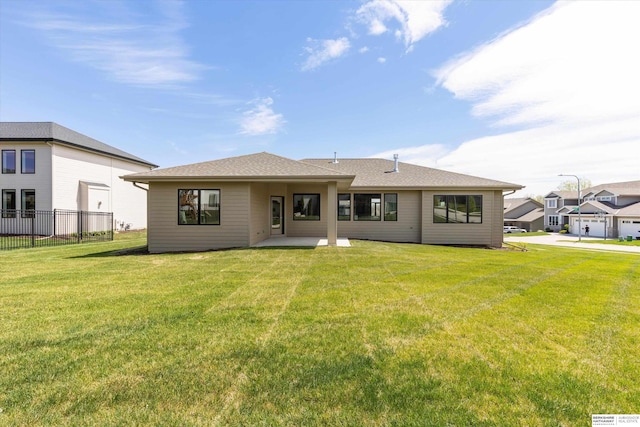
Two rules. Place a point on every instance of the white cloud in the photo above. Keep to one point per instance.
(322, 51)
(568, 79)
(382, 60)
(128, 50)
(364, 49)
(573, 62)
(415, 18)
(261, 119)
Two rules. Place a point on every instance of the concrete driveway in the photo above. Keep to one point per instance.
(569, 241)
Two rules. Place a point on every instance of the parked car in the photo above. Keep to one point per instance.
(512, 229)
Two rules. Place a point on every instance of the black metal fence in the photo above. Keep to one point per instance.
(28, 229)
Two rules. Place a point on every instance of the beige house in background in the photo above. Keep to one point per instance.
(525, 213)
(240, 201)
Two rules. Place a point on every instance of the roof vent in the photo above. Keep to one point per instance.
(335, 158)
(395, 164)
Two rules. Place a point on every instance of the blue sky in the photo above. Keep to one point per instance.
(517, 91)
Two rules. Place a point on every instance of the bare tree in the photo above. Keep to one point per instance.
(572, 184)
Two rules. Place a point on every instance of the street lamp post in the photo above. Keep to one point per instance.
(579, 216)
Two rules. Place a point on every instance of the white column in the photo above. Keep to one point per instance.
(332, 213)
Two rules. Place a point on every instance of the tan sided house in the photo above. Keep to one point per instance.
(240, 201)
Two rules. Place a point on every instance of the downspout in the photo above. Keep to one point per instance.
(510, 193)
(135, 184)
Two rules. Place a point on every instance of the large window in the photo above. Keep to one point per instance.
(367, 207)
(8, 161)
(28, 198)
(457, 209)
(8, 203)
(344, 207)
(306, 207)
(28, 161)
(390, 207)
(199, 207)
(553, 220)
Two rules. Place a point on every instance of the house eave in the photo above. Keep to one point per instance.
(277, 179)
(433, 188)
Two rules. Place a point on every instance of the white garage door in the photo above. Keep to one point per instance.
(596, 227)
(630, 228)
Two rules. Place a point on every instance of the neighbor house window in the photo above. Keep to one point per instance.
(552, 203)
(553, 220)
(367, 207)
(28, 198)
(28, 161)
(8, 203)
(391, 207)
(457, 209)
(199, 207)
(306, 207)
(344, 207)
(8, 161)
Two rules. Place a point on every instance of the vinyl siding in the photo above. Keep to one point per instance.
(165, 235)
(489, 233)
(406, 229)
(39, 181)
(70, 166)
(301, 228)
(259, 213)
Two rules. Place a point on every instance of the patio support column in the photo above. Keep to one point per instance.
(332, 213)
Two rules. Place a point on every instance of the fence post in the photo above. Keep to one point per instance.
(33, 229)
(79, 226)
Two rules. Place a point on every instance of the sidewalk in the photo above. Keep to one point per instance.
(569, 241)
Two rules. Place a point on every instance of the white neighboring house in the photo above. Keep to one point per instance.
(609, 210)
(46, 166)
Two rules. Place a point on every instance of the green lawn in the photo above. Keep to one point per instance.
(378, 334)
(613, 241)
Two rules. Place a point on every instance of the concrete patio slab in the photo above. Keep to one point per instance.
(300, 242)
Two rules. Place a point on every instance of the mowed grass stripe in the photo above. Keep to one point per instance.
(377, 334)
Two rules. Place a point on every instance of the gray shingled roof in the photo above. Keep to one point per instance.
(627, 188)
(49, 131)
(250, 166)
(631, 210)
(365, 173)
(530, 216)
(510, 204)
(372, 173)
(562, 194)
